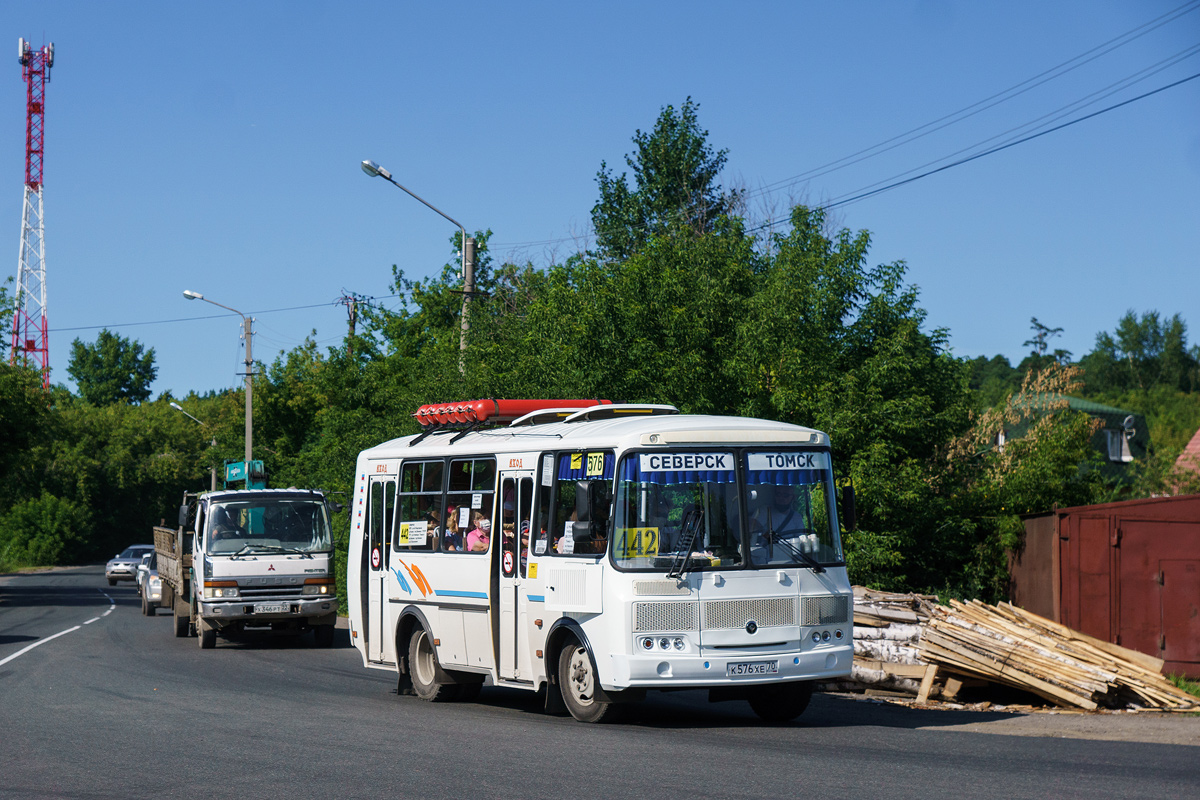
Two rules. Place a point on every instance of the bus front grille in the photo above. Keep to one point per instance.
(767, 612)
(664, 617)
(827, 610)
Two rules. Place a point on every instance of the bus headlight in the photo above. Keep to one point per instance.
(816, 637)
(679, 644)
(647, 643)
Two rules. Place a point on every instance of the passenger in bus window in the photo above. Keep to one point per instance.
(434, 519)
(480, 536)
(452, 538)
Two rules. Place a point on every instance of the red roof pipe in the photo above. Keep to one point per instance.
(496, 412)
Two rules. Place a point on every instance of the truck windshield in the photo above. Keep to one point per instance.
(684, 511)
(267, 525)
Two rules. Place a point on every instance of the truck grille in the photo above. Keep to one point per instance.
(273, 592)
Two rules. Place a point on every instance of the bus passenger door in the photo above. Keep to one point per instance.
(382, 491)
(514, 507)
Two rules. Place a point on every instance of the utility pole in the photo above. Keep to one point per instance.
(246, 322)
(468, 261)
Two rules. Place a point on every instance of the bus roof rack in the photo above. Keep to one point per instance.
(543, 417)
(623, 410)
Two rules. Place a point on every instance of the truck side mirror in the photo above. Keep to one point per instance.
(183, 515)
(849, 512)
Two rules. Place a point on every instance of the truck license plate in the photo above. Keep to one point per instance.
(270, 608)
(751, 668)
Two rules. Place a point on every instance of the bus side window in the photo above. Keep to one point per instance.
(469, 493)
(578, 478)
(541, 523)
(419, 503)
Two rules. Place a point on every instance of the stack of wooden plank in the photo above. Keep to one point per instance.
(1008, 645)
(887, 629)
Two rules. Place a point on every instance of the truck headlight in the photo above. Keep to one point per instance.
(317, 586)
(220, 589)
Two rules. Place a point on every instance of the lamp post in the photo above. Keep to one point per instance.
(212, 470)
(246, 321)
(468, 252)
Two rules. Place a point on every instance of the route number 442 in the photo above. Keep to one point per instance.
(637, 543)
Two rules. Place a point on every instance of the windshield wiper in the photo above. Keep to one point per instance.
(250, 549)
(687, 540)
(795, 551)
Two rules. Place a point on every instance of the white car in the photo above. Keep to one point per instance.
(149, 584)
(123, 566)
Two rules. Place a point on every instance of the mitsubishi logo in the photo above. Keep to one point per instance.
(271, 568)
(751, 626)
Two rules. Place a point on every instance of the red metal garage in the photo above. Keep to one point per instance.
(1126, 572)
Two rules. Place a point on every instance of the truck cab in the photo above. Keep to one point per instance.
(262, 559)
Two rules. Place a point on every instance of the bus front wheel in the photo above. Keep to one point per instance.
(580, 688)
(423, 667)
(781, 702)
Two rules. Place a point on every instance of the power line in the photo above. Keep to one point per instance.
(971, 110)
(210, 316)
(989, 152)
(982, 105)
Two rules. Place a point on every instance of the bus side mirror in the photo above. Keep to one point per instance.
(183, 515)
(849, 512)
(585, 499)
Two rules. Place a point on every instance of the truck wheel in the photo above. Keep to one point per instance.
(323, 635)
(207, 635)
(182, 623)
(579, 685)
(423, 666)
(781, 702)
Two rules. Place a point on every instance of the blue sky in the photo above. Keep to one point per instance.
(216, 147)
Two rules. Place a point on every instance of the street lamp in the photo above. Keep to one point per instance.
(246, 321)
(468, 251)
(212, 470)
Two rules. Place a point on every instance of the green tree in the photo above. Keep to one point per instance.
(7, 307)
(675, 185)
(1143, 352)
(26, 423)
(112, 370)
(43, 531)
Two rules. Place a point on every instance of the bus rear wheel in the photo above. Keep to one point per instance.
(781, 702)
(577, 679)
(423, 667)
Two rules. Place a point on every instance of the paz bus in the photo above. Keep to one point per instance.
(594, 551)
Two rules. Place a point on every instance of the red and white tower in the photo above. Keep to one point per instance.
(30, 345)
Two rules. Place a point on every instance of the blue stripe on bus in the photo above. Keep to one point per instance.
(537, 598)
(447, 593)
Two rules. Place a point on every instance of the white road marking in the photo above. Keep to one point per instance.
(112, 604)
(25, 650)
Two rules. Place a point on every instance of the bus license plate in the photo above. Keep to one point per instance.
(271, 608)
(751, 668)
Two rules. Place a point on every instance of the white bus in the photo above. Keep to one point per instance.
(595, 551)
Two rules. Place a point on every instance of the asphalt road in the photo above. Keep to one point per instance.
(118, 707)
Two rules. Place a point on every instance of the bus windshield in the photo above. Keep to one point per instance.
(672, 506)
(267, 525)
(790, 509)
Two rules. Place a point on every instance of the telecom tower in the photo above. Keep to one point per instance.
(30, 345)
